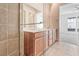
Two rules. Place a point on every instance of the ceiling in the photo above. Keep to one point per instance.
(69, 8)
(38, 6)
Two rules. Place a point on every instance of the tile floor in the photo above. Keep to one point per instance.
(62, 49)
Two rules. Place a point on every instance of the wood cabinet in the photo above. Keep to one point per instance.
(39, 46)
(46, 40)
(50, 37)
(33, 43)
(28, 43)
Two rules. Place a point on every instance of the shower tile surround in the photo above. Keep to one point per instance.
(9, 32)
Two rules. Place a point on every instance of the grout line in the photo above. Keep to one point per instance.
(19, 25)
(7, 28)
(12, 53)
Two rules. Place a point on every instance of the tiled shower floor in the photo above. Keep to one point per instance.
(62, 49)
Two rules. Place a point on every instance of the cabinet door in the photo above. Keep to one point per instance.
(28, 43)
(54, 35)
(50, 37)
(46, 40)
(39, 46)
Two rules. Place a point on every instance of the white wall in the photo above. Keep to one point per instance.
(67, 11)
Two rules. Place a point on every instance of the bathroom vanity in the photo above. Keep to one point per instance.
(36, 42)
(33, 43)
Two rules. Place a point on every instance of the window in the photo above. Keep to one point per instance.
(72, 23)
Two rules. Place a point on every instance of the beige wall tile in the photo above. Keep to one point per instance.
(3, 16)
(3, 6)
(13, 31)
(15, 53)
(13, 14)
(13, 45)
(3, 32)
(3, 48)
(9, 29)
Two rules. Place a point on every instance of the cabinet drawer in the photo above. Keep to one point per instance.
(40, 34)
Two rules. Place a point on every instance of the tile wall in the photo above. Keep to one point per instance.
(9, 30)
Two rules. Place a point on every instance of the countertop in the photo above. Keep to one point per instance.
(34, 30)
